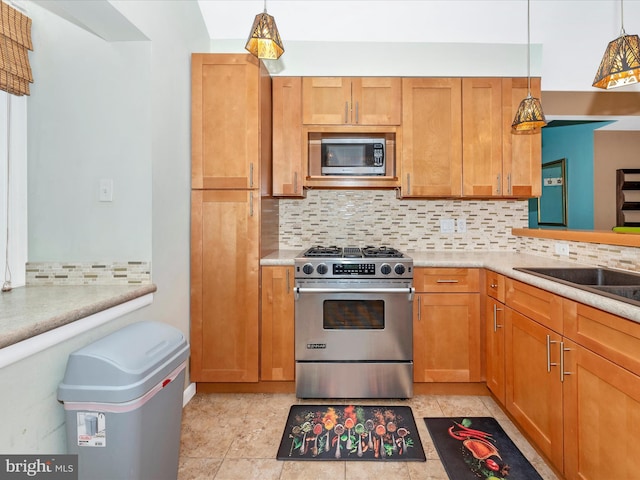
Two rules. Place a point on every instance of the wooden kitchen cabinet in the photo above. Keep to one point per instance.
(431, 160)
(277, 358)
(497, 163)
(231, 97)
(225, 228)
(446, 326)
(351, 100)
(494, 334)
(533, 388)
(288, 148)
(601, 414)
(521, 154)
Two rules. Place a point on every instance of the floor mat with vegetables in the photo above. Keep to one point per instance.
(350, 432)
(476, 448)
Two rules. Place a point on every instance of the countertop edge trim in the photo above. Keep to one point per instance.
(30, 346)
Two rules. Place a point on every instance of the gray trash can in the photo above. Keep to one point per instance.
(122, 397)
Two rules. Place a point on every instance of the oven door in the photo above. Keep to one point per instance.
(354, 320)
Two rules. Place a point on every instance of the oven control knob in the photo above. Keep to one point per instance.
(322, 269)
(385, 269)
(308, 269)
(399, 269)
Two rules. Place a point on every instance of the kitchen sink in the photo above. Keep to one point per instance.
(586, 276)
(616, 284)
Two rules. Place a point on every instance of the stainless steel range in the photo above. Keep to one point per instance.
(353, 323)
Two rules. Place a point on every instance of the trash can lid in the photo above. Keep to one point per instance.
(124, 365)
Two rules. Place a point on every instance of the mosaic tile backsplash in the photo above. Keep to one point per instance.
(99, 273)
(596, 254)
(377, 217)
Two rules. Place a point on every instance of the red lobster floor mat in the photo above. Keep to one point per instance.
(477, 448)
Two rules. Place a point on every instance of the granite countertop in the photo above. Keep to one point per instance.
(32, 310)
(503, 263)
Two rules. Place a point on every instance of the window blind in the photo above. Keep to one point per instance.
(15, 41)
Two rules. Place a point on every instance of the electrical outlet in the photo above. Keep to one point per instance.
(461, 225)
(447, 225)
(562, 249)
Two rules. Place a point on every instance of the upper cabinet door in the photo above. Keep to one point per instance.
(225, 120)
(288, 171)
(482, 137)
(521, 154)
(351, 101)
(326, 100)
(431, 161)
(376, 101)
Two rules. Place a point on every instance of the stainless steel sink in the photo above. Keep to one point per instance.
(616, 284)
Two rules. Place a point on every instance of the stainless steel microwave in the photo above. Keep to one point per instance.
(353, 156)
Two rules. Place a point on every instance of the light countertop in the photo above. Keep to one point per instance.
(500, 262)
(32, 310)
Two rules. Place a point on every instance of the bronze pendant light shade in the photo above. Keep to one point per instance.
(620, 64)
(264, 40)
(529, 118)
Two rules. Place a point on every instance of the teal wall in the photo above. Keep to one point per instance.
(573, 142)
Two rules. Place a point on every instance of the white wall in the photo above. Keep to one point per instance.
(89, 118)
(139, 135)
(573, 34)
(13, 189)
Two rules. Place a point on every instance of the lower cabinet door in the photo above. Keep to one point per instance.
(277, 359)
(533, 385)
(601, 415)
(494, 329)
(447, 346)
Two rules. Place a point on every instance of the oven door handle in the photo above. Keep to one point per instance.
(408, 290)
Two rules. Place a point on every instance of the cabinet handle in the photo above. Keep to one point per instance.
(251, 175)
(251, 204)
(446, 281)
(288, 282)
(419, 310)
(509, 183)
(498, 184)
(357, 112)
(408, 184)
(495, 317)
(562, 372)
(346, 112)
(494, 285)
(295, 186)
(549, 364)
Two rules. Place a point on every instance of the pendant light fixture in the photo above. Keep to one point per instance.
(264, 40)
(529, 117)
(620, 64)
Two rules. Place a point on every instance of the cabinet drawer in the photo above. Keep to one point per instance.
(537, 304)
(613, 337)
(446, 279)
(494, 285)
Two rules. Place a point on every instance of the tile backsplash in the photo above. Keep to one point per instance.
(96, 273)
(596, 254)
(377, 217)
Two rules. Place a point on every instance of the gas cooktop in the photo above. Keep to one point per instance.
(352, 252)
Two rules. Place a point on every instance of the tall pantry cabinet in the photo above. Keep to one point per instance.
(230, 200)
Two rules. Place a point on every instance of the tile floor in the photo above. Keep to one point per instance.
(236, 436)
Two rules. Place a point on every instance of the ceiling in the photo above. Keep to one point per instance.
(571, 35)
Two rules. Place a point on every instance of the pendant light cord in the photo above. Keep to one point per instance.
(622, 32)
(528, 48)
(6, 286)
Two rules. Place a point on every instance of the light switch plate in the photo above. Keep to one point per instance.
(105, 190)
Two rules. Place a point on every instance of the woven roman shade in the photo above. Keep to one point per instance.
(15, 40)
